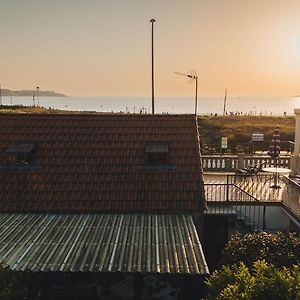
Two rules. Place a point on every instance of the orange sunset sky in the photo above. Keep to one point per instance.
(103, 48)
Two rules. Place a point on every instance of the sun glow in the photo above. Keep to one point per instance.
(248, 47)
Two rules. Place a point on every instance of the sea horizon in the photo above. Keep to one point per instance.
(163, 104)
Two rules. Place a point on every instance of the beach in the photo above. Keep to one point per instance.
(172, 105)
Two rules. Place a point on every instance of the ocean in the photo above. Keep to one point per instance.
(171, 105)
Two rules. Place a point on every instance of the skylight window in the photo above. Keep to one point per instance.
(157, 153)
(21, 152)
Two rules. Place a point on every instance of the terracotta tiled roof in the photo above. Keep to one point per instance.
(96, 163)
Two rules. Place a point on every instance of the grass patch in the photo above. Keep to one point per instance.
(239, 129)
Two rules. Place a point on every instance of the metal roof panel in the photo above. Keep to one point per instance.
(148, 243)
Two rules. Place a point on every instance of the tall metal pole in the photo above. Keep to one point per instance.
(225, 98)
(38, 96)
(152, 21)
(0, 95)
(196, 97)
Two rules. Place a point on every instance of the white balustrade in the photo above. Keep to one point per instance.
(230, 163)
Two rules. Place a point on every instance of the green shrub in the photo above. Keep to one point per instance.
(278, 249)
(231, 282)
(262, 282)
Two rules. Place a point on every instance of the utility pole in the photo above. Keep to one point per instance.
(152, 21)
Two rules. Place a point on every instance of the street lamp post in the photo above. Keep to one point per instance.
(0, 95)
(152, 21)
(38, 96)
(196, 95)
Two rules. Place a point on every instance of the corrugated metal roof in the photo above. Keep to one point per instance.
(149, 243)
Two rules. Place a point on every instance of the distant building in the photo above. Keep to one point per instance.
(101, 197)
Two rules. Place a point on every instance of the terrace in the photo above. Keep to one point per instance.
(253, 200)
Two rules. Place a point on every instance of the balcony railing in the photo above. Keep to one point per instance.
(248, 196)
(230, 163)
(259, 187)
(229, 198)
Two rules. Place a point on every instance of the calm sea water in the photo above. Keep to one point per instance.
(172, 105)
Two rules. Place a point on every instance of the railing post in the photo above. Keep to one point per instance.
(264, 218)
(227, 188)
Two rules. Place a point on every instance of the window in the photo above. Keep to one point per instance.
(21, 152)
(157, 153)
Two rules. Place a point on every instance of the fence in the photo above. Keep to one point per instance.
(248, 196)
(259, 187)
(229, 198)
(231, 163)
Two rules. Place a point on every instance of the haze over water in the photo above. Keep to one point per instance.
(171, 105)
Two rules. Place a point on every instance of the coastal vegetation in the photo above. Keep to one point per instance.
(239, 128)
(29, 109)
(29, 93)
(21, 109)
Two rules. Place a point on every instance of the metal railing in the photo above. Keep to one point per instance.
(288, 195)
(229, 198)
(248, 195)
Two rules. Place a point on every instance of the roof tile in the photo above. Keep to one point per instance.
(91, 163)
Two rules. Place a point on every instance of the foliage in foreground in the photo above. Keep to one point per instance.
(278, 249)
(14, 285)
(261, 282)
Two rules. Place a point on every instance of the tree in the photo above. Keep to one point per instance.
(262, 282)
(277, 248)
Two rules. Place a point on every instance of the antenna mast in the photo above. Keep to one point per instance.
(192, 77)
(225, 99)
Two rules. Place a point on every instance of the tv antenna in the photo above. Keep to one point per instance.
(193, 77)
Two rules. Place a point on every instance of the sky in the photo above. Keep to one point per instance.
(103, 47)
